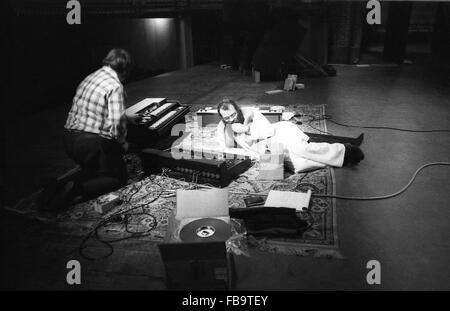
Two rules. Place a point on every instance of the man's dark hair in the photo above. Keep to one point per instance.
(119, 60)
(225, 104)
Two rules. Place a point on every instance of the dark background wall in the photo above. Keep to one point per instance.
(51, 57)
(48, 57)
(207, 35)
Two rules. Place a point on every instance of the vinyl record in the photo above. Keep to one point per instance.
(205, 230)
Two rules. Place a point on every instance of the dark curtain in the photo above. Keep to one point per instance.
(345, 33)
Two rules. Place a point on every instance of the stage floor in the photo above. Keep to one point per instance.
(408, 234)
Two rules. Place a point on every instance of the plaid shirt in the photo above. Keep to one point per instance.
(98, 106)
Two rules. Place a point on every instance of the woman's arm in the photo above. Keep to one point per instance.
(221, 134)
(226, 140)
(224, 136)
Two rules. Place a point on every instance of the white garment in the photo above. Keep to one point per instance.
(286, 138)
(299, 155)
(303, 156)
(260, 128)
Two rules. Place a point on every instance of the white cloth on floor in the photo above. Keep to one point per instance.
(300, 155)
(286, 138)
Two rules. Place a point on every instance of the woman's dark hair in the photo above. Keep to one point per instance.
(119, 60)
(225, 105)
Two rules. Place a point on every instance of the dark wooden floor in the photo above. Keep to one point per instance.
(408, 234)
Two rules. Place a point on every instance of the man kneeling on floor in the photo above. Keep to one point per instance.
(95, 133)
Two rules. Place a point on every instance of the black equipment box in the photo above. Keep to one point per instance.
(218, 173)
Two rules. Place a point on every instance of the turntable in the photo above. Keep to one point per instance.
(194, 249)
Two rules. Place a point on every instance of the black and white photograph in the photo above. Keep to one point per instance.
(240, 147)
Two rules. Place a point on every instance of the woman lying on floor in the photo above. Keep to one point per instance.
(248, 129)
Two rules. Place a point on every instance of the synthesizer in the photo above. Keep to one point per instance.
(152, 118)
(218, 173)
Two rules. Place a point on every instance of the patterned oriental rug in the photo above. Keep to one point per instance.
(152, 201)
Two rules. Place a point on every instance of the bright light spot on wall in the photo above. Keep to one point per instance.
(159, 24)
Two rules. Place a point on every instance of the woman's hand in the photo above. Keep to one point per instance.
(239, 128)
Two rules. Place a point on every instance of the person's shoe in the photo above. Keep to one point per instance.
(358, 140)
(353, 154)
